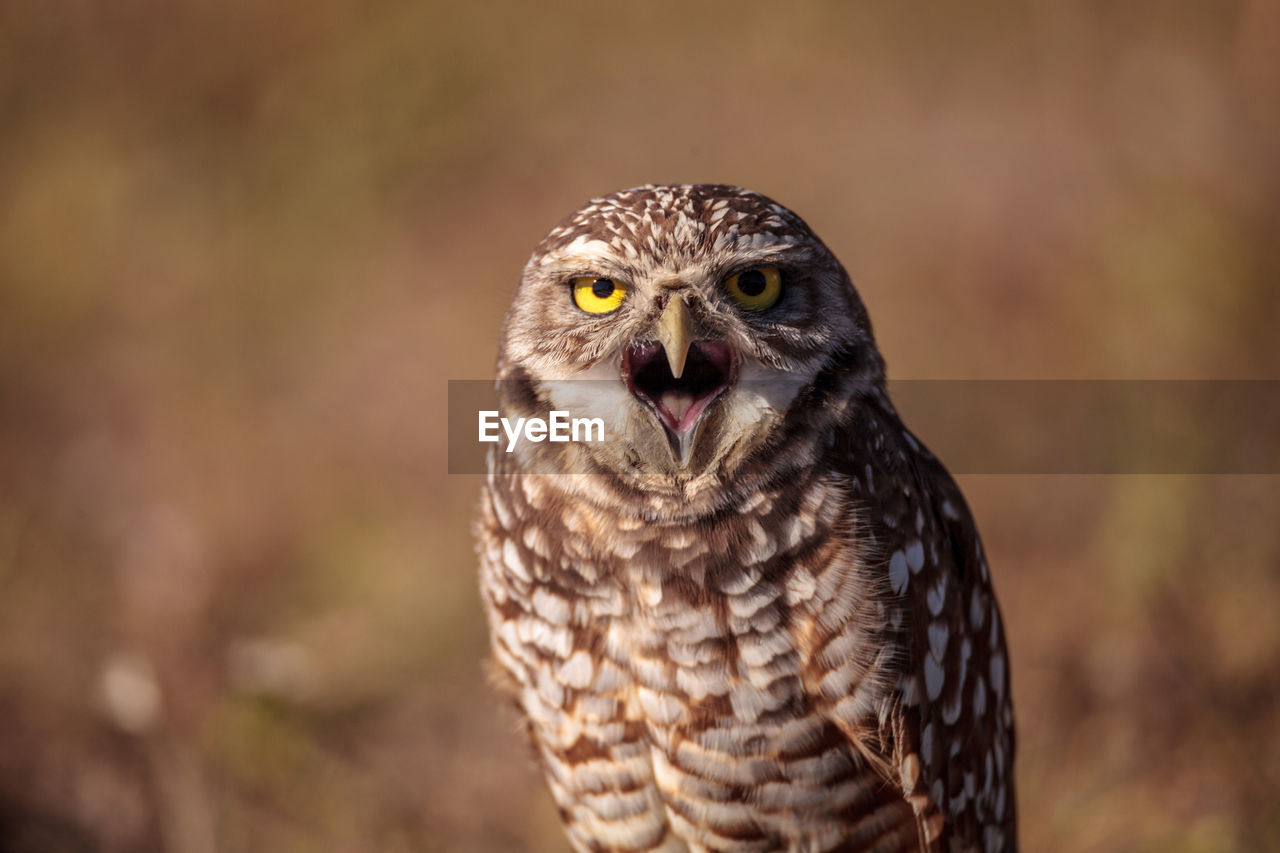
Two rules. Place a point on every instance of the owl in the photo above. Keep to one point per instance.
(755, 614)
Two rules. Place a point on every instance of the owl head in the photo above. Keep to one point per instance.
(693, 320)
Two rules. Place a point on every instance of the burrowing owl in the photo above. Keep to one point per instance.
(757, 616)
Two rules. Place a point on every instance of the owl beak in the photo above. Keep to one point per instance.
(675, 333)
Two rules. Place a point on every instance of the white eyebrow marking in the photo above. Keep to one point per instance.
(582, 244)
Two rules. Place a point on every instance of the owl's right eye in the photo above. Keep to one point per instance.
(597, 295)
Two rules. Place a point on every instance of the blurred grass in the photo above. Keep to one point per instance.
(243, 246)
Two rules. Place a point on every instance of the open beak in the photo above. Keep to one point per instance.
(679, 377)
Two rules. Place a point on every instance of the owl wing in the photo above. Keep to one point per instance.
(945, 731)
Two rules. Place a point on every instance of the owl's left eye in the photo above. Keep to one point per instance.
(755, 289)
(597, 295)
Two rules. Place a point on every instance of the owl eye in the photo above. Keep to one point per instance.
(755, 289)
(597, 295)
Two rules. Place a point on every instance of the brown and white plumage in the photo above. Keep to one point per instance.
(773, 629)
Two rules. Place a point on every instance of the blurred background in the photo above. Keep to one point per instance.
(243, 247)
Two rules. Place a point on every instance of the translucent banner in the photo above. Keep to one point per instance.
(973, 426)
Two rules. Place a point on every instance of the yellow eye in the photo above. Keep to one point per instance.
(755, 289)
(597, 295)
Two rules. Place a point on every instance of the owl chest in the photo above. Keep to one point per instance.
(677, 629)
(693, 685)
(672, 655)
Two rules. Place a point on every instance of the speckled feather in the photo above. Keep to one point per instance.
(795, 648)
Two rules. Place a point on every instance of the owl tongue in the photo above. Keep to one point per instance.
(677, 404)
